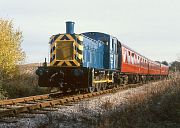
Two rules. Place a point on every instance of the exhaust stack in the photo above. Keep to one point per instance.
(70, 27)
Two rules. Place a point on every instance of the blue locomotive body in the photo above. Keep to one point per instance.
(93, 53)
(110, 49)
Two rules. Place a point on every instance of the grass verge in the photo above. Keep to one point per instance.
(156, 107)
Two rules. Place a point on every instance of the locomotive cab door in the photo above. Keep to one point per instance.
(113, 53)
(119, 55)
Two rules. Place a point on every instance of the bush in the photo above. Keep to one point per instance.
(23, 85)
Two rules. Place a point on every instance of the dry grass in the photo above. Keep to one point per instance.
(107, 105)
(158, 106)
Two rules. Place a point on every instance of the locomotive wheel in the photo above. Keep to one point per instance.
(77, 91)
(125, 80)
(54, 89)
(104, 85)
(98, 87)
(90, 89)
(116, 85)
(64, 90)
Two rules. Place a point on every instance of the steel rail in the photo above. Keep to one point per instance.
(28, 104)
(23, 99)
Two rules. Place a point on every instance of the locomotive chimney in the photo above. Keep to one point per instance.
(70, 27)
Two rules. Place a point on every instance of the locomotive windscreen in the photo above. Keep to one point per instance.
(64, 50)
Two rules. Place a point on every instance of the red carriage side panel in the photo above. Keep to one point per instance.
(164, 69)
(154, 68)
(132, 62)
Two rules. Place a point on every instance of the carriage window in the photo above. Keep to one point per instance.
(132, 58)
(132, 54)
(143, 62)
(135, 59)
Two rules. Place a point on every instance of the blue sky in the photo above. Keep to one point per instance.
(151, 27)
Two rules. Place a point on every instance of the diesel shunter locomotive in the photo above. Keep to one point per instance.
(94, 61)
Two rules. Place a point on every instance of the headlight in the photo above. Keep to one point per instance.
(39, 72)
(78, 72)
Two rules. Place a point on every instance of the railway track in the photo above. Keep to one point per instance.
(13, 107)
